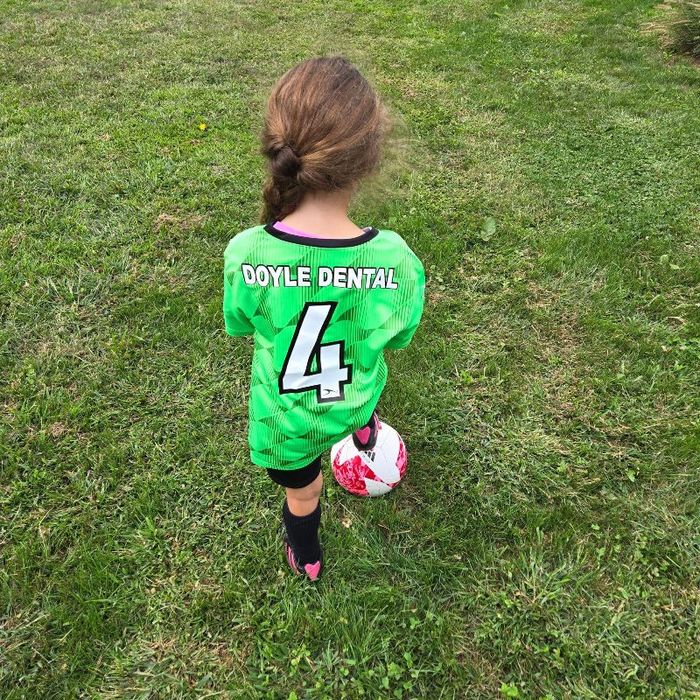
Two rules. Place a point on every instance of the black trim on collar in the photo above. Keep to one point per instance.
(322, 242)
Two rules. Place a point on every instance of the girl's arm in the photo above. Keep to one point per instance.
(414, 308)
(237, 321)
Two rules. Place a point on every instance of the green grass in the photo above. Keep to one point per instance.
(546, 542)
(679, 27)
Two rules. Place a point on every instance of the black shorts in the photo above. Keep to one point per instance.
(296, 478)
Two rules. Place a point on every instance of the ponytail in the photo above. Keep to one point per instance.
(324, 128)
(283, 192)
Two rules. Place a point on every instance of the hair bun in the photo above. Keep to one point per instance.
(286, 162)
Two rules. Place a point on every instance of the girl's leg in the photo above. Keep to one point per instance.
(302, 515)
(305, 500)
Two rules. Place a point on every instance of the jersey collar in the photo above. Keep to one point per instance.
(321, 242)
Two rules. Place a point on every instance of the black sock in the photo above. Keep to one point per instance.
(302, 533)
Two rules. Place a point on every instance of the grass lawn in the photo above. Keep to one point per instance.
(546, 543)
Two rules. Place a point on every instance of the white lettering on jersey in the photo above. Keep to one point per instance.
(325, 276)
(339, 277)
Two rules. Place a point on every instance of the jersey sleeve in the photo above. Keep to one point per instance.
(235, 318)
(413, 305)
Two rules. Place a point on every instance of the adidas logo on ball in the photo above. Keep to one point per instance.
(370, 473)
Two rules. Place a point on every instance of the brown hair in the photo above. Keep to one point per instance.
(324, 129)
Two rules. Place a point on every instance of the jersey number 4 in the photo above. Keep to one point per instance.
(331, 373)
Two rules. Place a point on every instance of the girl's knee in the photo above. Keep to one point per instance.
(309, 492)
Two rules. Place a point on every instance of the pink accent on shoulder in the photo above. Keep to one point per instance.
(286, 228)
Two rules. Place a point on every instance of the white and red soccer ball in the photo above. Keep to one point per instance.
(370, 472)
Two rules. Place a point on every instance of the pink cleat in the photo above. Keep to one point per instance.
(366, 438)
(313, 571)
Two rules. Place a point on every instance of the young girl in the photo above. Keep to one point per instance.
(321, 297)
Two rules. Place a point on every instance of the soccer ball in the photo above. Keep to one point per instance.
(374, 472)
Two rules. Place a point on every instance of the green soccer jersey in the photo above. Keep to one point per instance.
(321, 312)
